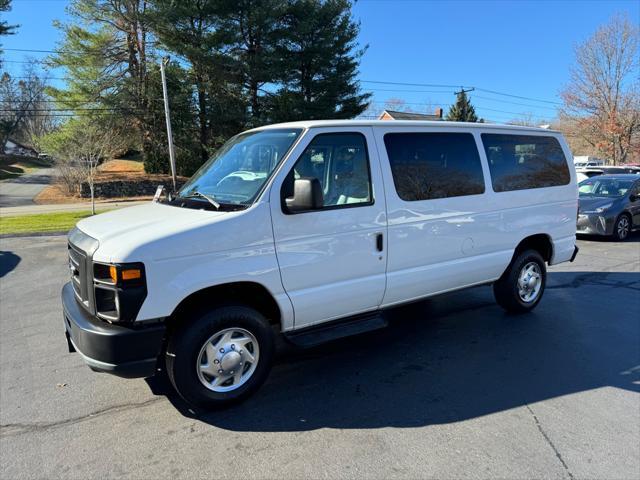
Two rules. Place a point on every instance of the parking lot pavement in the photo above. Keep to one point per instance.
(453, 388)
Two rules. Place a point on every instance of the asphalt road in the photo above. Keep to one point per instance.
(454, 388)
(22, 190)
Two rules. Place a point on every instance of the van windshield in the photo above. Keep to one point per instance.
(238, 170)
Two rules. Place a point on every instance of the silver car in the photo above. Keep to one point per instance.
(609, 205)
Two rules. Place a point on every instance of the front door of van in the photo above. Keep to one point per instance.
(333, 259)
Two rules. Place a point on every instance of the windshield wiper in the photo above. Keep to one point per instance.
(209, 198)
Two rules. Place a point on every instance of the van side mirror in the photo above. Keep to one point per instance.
(307, 195)
(633, 197)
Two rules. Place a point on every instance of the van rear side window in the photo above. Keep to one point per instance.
(426, 166)
(519, 162)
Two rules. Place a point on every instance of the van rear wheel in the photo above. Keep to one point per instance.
(521, 286)
(221, 356)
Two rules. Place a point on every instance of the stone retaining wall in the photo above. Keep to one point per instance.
(125, 188)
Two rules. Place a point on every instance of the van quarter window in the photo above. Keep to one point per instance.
(434, 165)
(341, 163)
(519, 162)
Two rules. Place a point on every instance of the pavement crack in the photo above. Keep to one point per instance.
(13, 429)
(549, 442)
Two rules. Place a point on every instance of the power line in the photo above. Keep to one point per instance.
(38, 110)
(495, 92)
(35, 50)
(476, 106)
(515, 103)
(378, 82)
(518, 96)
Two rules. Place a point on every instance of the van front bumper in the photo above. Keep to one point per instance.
(125, 351)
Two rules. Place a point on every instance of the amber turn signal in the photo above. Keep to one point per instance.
(113, 273)
(131, 274)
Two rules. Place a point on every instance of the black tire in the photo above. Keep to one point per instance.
(185, 345)
(506, 290)
(619, 233)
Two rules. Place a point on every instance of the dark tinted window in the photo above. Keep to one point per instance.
(518, 162)
(434, 165)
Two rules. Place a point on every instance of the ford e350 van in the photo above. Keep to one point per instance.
(311, 230)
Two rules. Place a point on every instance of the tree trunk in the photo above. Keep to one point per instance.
(202, 114)
(93, 201)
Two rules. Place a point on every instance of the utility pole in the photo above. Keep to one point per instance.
(172, 155)
(462, 90)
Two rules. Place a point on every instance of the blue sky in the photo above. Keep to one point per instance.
(522, 48)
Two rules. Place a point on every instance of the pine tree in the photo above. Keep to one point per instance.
(252, 29)
(5, 28)
(319, 63)
(111, 72)
(462, 110)
(191, 29)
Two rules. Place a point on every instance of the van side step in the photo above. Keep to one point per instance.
(345, 327)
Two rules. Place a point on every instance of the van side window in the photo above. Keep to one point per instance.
(434, 165)
(341, 163)
(518, 162)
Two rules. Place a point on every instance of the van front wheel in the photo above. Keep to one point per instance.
(521, 286)
(221, 356)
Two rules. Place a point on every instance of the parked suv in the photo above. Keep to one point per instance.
(312, 230)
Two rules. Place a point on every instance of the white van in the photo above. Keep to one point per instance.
(311, 230)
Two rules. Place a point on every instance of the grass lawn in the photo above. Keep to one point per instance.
(41, 222)
(12, 166)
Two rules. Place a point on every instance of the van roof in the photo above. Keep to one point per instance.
(404, 123)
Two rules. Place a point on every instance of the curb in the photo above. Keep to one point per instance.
(34, 234)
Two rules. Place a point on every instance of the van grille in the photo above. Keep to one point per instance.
(81, 248)
(78, 269)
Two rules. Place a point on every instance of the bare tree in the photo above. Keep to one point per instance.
(602, 98)
(79, 147)
(528, 119)
(93, 144)
(23, 103)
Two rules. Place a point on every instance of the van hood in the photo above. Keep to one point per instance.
(132, 227)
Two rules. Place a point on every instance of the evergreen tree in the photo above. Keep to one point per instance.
(462, 110)
(5, 28)
(319, 63)
(184, 128)
(252, 30)
(190, 28)
(104, 52)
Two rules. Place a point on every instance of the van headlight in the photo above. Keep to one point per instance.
(119, 290)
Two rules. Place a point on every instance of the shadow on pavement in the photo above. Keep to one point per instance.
(634, 237)
(8, 262)
(451, 358)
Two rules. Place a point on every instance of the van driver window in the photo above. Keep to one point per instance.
(341, 164)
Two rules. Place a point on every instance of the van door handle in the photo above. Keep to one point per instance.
(379, 242)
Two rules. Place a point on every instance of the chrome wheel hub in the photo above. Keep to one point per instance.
(529, 282)
(228, 359)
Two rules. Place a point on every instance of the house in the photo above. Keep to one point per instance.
(393, 115)
(14, 148)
